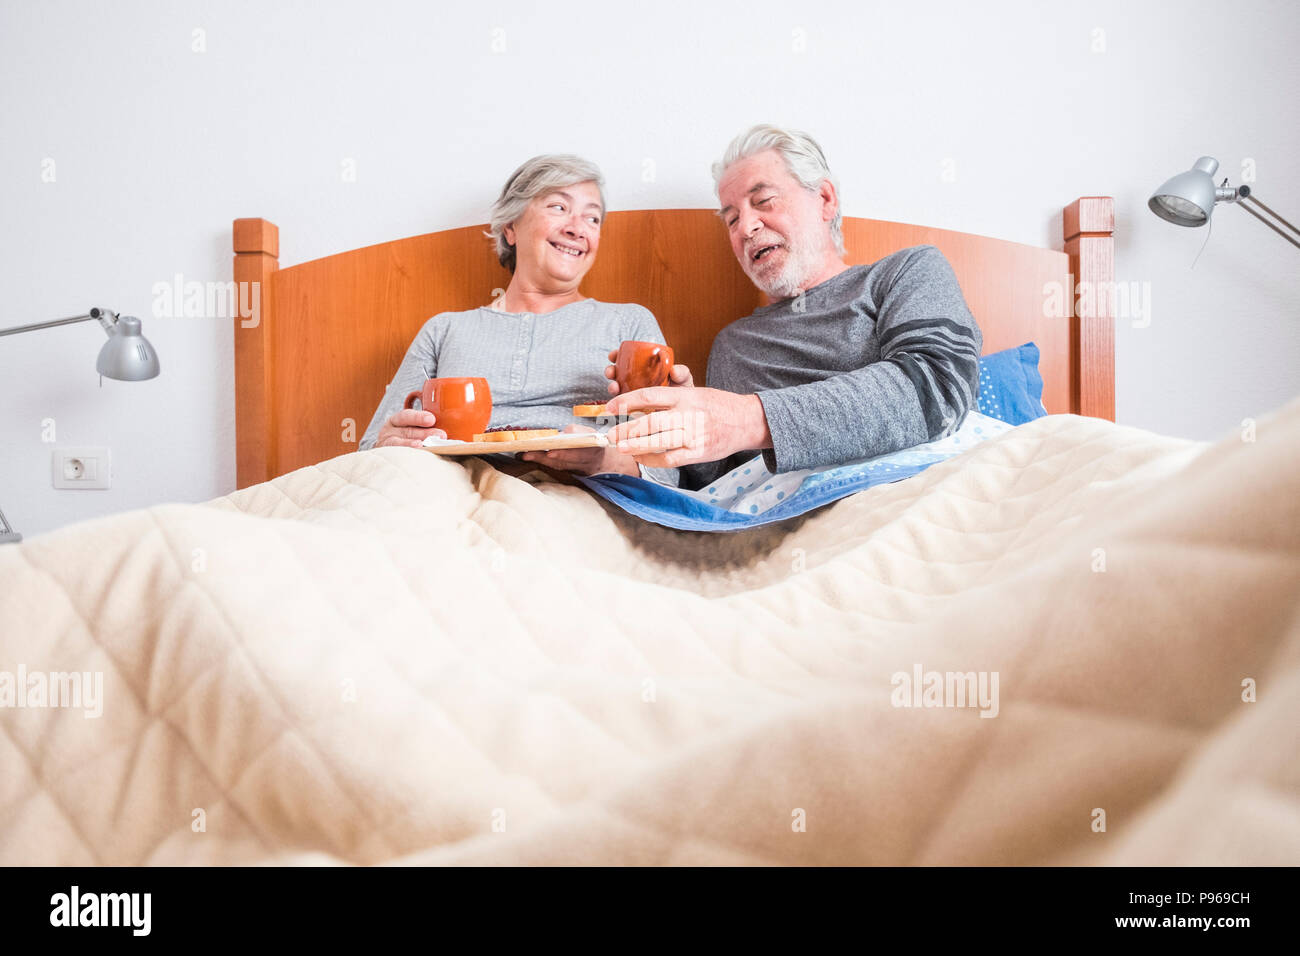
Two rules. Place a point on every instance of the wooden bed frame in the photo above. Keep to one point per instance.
(312, 365)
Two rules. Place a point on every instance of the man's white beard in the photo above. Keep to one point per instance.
(800, 261)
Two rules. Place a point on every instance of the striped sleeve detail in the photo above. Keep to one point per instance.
(939, 353)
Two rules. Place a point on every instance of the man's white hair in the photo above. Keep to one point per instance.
(539, 175)
(803, 157)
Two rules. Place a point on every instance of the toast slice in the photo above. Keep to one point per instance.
(517, 434)
(600, 411)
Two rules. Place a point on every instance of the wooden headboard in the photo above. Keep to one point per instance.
(312, 365)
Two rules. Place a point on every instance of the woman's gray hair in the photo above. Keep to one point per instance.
(803, 157)
(539, 175)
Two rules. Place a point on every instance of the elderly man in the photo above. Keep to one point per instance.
(847, 362)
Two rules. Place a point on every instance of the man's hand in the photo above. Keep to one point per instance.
(678, 375)
(585, 461)
(409, 427)
(696, 424)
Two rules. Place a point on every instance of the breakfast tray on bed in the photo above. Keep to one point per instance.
(442, 446)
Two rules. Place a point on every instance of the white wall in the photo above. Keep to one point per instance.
(157, 148)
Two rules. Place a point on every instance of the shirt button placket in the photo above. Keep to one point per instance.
(517, 370)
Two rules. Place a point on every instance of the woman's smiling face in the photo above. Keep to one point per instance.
(556, 238)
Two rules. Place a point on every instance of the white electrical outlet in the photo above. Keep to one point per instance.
(82, 468)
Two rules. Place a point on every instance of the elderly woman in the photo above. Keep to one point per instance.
(543, 345)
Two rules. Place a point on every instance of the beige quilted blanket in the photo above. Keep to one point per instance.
(1077, 643)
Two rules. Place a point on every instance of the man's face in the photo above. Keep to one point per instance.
(777, 228)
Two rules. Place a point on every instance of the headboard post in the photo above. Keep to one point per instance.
(257, 257)
(1089, 226)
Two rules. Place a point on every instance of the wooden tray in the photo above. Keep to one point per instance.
(549, 443)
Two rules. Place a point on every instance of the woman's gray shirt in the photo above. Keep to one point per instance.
(538, 366)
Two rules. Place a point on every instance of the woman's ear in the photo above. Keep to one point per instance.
(509, 233)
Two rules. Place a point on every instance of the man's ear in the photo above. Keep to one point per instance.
(830, 200)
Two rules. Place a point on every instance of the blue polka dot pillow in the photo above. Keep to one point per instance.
(1011, 388)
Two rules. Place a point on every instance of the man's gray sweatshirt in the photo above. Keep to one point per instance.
(878, 358)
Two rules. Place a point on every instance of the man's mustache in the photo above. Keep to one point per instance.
(753, 244)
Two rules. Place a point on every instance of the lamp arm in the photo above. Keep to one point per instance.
(106, 318)
(1245, 196)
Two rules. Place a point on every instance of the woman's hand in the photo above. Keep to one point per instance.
(678, 375)
(585, 461)
(409, 427)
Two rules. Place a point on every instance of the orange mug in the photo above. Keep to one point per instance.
(462, 407)
(642, 365)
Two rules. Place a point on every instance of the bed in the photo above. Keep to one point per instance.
(1078, 643)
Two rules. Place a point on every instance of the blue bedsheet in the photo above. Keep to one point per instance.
(1010, 394)
(751, 496)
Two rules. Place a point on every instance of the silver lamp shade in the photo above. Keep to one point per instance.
(1188, 198)
(127, 355)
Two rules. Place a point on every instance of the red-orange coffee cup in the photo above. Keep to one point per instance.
(461, 407)
(642, 365)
